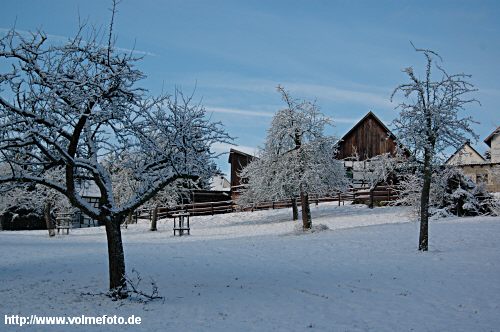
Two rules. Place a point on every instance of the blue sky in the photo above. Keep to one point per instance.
(348, 55)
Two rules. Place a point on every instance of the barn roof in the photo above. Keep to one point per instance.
(238, 152)
(368, 115)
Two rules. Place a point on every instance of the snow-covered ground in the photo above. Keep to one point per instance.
(255, 272)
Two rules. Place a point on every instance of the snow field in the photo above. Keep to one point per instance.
(255, 272)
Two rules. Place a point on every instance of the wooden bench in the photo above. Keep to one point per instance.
(64, 221)
(181, 223)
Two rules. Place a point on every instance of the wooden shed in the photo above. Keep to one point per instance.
(238, 161)
(368, 138)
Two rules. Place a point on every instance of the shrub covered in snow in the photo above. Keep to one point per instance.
(452, 193)
(22, 205)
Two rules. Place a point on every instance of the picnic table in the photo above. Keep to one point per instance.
(181, 223)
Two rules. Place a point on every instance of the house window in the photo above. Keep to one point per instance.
(482, 178)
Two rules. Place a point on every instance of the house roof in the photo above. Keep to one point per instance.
(488, 139)
(241, 153)
(486, 164)
(372, 115)
(467, 143)
(219, 183)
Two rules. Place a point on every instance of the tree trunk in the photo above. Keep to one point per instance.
(130, 218)
(295, 210)
(116, 258)
(306, 210)
(423, 241)
(154, 219)
(48, 219)
(370, 204)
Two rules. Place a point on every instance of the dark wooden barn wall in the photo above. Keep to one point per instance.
(238, 161)
(368, 139)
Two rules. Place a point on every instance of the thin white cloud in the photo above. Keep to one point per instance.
(333, 93)
(131, 50)
(239, 112)
(369, 96)
(61, 39)
(267, 114)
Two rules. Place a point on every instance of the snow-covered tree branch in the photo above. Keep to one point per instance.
(70, 106)
(297, 158)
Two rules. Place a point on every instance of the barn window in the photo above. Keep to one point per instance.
(349, 172)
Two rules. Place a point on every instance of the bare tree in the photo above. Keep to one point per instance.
(72, 105)
(429, 122)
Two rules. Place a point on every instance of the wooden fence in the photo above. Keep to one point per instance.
(208, 208)
(380, 193)
(361, 195)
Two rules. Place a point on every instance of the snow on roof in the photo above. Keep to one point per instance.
(251, 151)
(242, 153)
(219, 183)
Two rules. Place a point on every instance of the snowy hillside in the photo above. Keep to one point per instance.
(255, 272)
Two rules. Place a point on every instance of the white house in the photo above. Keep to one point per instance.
(465, 155)
(478, 168)
(493, 141)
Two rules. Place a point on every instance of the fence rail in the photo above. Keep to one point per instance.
(378, 194)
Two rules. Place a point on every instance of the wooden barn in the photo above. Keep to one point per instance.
(368, 138)
(238, 161)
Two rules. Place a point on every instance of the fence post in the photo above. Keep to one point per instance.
(273, 205)
(154, 219)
